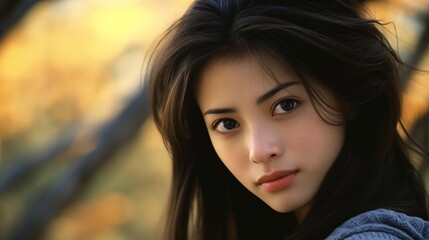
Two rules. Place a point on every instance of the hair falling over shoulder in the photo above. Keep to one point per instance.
(327, 40)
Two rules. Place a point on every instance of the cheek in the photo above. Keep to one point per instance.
(229, 152)
(234, 157)
(314, 141)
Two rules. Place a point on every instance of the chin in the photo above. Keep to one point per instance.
(281, 208)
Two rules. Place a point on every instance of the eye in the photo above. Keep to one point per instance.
(225, 125)
(285, 106)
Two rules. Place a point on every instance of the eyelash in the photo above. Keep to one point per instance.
(216, 123)
(278, 104)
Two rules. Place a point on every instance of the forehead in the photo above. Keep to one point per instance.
(231, 70)
(249, 76)
(240, 82)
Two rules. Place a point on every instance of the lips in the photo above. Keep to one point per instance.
(277, 180)
(275, 175)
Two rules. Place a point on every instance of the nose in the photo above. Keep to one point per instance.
(264, 145)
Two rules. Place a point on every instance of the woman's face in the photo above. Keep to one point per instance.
(267, 133)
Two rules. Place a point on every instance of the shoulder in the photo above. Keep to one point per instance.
(382, 224)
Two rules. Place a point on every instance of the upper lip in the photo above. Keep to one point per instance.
(275, 175)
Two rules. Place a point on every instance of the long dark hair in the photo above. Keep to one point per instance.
(324, 40)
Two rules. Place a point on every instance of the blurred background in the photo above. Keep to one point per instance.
(80, 157)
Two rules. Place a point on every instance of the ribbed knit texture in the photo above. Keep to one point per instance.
(382, 224)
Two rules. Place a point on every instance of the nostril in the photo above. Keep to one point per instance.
(263, 157)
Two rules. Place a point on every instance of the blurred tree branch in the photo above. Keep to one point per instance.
(52, 199)
(418, 51)
(20, 169)
(11, 11)
(47, 204)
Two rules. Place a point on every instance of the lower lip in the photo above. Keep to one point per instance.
(279, 183)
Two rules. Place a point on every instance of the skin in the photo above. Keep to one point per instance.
(259, 126)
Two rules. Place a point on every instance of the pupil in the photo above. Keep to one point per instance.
(287, 105)
(229, 124)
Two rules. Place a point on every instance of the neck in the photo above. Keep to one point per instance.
(302, 212)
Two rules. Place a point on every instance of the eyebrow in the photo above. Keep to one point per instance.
(275, 90)
(260, 99)
(220, 111)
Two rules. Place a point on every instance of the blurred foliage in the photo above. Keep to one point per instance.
(67, 68)
(70, 66)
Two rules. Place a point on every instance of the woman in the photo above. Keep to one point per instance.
(281, 119)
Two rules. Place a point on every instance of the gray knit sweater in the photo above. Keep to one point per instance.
(382, 224)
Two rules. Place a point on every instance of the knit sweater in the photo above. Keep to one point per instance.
(382, 224)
